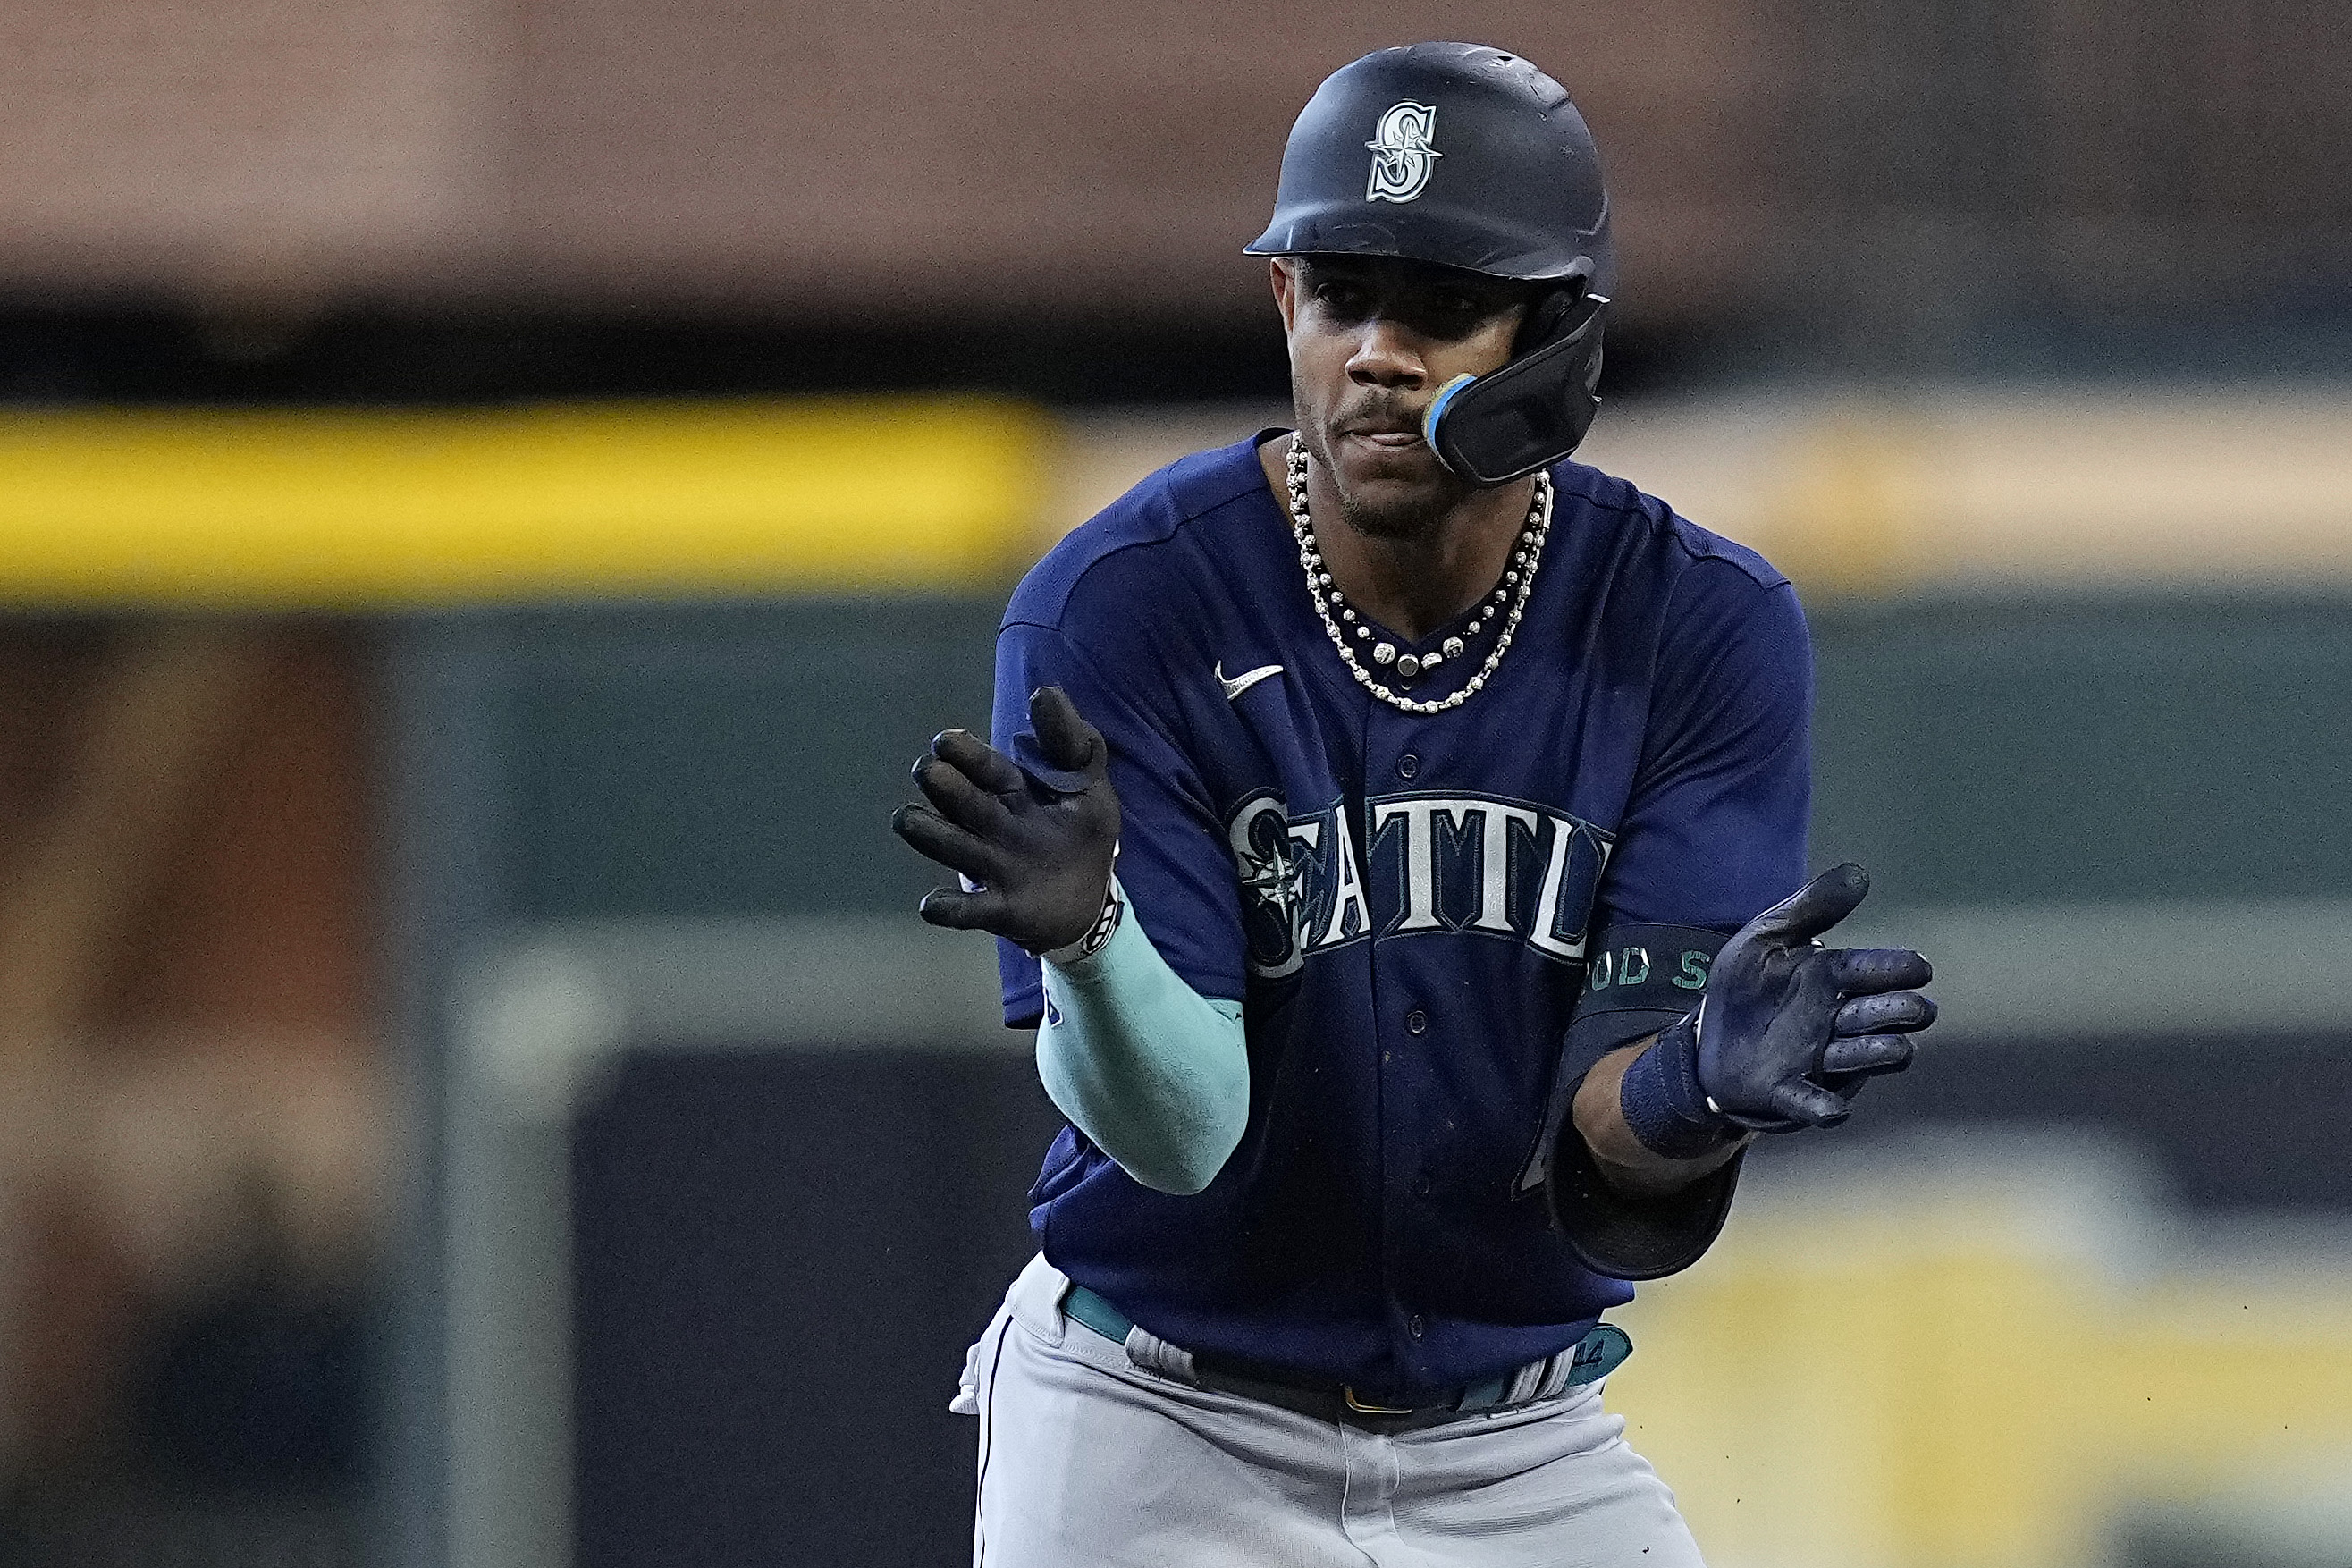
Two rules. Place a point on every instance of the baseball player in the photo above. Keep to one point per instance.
(1396, 833)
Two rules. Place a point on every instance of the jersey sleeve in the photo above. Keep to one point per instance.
(1172, 863)
(1712, 834)
(1715, 830)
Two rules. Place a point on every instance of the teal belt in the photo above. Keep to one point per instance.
(1601, 1352)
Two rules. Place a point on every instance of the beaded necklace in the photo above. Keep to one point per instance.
(1519, 582)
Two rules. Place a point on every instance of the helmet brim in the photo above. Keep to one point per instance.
(1434, 232)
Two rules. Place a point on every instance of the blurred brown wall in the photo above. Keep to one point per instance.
(205, 144)
(979, 152)
(949, 156)
(928, 156)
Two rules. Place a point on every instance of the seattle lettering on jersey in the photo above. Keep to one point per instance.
(1480, 864)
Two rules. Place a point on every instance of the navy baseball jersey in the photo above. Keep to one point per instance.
(1412, 910)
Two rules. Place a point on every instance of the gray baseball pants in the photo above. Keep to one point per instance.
(1087, 1460)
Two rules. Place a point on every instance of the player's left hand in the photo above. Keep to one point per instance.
(1790, 1030)
(1033, 839)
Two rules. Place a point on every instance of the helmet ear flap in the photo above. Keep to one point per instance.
(1531, 412)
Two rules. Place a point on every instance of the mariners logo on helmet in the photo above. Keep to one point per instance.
(1401, 155)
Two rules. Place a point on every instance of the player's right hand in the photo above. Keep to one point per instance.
(1790, 1030)
(1034, 842)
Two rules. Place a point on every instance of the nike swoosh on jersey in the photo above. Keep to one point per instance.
(1245, 680)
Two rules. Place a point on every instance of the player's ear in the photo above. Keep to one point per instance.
(1283, 273)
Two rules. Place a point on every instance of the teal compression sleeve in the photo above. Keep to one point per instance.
(1156, 1074)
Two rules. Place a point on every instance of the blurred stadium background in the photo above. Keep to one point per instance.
(491, 496)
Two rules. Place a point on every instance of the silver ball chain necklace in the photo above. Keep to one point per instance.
(1519, 582)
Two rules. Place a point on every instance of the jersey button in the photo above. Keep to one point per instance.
(1420, 1185)
(1415, 1326)
(1415, 1022)
(1408, 766)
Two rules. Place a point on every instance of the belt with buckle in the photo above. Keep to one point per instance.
(1600, 1353)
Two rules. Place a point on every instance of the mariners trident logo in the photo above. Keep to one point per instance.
(1401, 155)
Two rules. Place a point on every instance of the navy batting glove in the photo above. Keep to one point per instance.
(1788, 1034)
(1033, 839)
(1790, 1030)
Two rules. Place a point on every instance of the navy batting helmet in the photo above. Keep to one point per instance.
(1461, 155)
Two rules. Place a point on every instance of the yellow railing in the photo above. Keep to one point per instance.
(358, 509)
(340, 509)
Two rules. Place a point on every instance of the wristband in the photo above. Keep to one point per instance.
(1669, 1114)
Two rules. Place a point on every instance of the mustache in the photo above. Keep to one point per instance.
(1378, 414)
